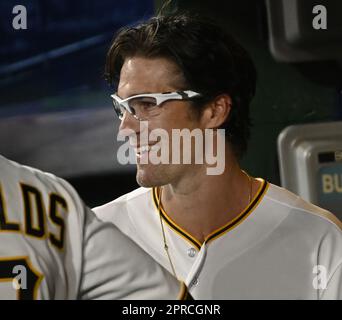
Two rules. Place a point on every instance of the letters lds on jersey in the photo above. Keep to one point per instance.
(34, 215)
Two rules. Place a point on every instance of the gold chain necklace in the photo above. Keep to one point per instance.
(250, 182)
(166, 247)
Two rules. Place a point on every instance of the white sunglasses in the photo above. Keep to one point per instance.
(144, 106)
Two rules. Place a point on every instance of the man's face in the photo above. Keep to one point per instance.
(156, 75)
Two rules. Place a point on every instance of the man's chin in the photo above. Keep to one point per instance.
(143, 178)
(143, 183)
(146, 177)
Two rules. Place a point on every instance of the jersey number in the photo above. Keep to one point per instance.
(29, 279)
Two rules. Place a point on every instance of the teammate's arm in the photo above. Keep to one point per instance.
(114, 267)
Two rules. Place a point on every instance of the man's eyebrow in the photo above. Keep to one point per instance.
(136, 94)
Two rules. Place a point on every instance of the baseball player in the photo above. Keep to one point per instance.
(278, 247)
(53, 247)
(229, 235)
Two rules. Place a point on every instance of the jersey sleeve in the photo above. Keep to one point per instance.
(333, 291)
(116, 268)
(330, 260)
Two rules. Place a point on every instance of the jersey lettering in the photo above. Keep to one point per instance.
(5, 225)
(35, 216)
(56, 202)
(33, 200)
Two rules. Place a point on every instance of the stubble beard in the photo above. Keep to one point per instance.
(149, 175)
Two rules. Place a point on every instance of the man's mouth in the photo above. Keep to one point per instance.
(144, 150)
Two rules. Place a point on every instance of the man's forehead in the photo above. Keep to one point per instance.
(154, 67)
(145, 75)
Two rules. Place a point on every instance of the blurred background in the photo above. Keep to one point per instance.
(55, 110)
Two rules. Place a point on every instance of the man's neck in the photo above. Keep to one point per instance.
(203, 204)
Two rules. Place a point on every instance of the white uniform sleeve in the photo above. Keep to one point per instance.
(116, 268)
(334, 286)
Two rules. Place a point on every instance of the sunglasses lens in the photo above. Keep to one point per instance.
(143, 107)
(143, 103)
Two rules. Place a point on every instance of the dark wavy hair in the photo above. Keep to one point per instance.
(212, 62)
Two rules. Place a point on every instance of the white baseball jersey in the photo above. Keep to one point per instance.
(53, 247)
(279, 247)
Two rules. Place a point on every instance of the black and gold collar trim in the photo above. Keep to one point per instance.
(222, 230)
(172, 224)
(242, 216)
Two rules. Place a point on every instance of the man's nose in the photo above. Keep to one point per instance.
(128, 125)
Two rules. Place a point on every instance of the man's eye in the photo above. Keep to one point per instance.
(144, 103)
(147, 104)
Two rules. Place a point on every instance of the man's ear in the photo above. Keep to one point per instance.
(217, 111)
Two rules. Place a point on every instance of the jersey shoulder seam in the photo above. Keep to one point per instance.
(322, 214)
